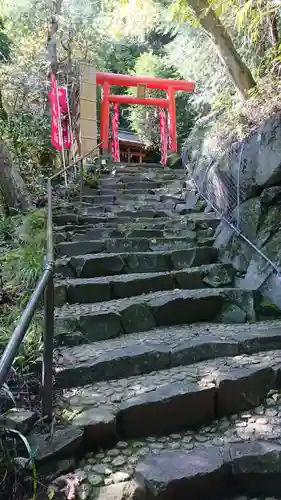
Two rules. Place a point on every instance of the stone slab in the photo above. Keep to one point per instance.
(144, 312)
(86, 364)
(89, 290)
(98, 425)
(179, 398)
(212, 472)
(62, 443)
(170, 408)
(159, 349)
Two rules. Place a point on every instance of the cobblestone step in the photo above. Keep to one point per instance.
(110, 319)
(184, 459)
(122, 197)
(87, 191)
(138, 182)
(102, 264)
(127, 224)
(160, 349)
(123, 216)
(74, 248)
(130, 208)
(134, 230)
(196, 219)
(91, 233)
(173, 400)
(89, 290)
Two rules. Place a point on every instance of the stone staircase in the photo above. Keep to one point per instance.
(166, 383)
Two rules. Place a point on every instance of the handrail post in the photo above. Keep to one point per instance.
(47, 366)
(81, 183)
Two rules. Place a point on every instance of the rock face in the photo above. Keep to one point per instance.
(242, 181)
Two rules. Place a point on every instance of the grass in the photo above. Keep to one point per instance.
(242, 119)
(22, 244)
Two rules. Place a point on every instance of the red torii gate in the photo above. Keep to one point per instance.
(106, 80)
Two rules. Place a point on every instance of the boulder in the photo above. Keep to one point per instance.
(217, 164)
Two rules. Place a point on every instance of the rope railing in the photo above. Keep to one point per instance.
(44, 287)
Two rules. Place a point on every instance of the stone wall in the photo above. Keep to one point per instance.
(242, 180)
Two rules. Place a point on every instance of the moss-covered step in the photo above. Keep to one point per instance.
(160, 349)
(109, 319)
(171, 400)
(101, 264)
(89, 290)
(115, 245)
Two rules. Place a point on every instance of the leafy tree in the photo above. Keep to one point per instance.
(145, 119)
(209, 19)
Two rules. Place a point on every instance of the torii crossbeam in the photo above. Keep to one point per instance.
(106, 80)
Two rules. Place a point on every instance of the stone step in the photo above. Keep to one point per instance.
(130, 208)
(161, 349)
(90, 290)
(156, 228)
(175, 399)
(107, 198)
(127, 178)
(136, 232)
(123, 216)
(213, 472)
(120, 197)
(72, 221)
(74, 248)
(111, 222)
(130, 213)
(101, 264)
(88, 191)
(110, 183)
(103, 320)
(249, 436)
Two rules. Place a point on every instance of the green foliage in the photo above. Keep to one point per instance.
(145, 119)
(91, 179)
(21, 261)
(27, 135)
(5, 44)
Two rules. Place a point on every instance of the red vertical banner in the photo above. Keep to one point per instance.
(163, 136)
(115, 151)
(56, 135)
(65, 117)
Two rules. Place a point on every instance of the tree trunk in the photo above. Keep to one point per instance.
(238, 71)
(3, 112)
(13, 189)
(273, 30)
(52, 35)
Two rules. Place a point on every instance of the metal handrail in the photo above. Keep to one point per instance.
(45, 286)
